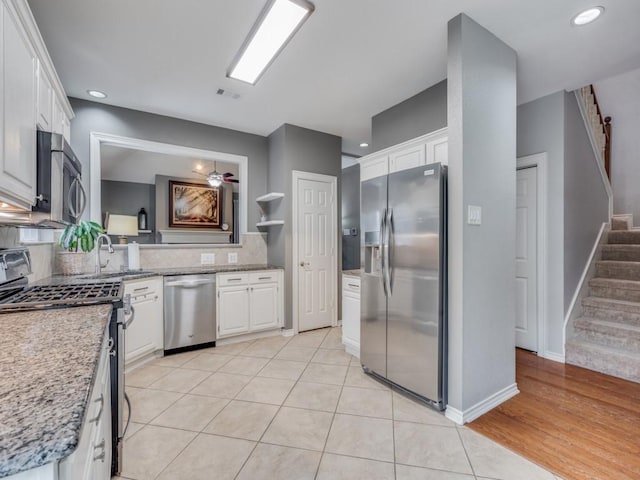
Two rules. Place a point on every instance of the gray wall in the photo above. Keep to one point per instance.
(126, 198)
(351, 217)
(482, 169)
(97, 117)
(420, 114)
(586, 203)
(541, 129)
(295, 148)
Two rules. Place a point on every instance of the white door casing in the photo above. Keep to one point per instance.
(526, 259)
(314, 251)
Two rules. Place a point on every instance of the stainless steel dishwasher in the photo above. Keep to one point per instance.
(189, 311)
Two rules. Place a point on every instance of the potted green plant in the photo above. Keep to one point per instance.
(76, 241)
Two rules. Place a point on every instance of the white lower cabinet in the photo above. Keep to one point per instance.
(249, 302)
(145, 335)
(351, 314)
(92, 457)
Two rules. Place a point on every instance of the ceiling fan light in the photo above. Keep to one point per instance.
(214, 180)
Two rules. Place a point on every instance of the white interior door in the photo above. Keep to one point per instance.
(317, 261)
(526, 259)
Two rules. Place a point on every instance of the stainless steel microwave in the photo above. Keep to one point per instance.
(60, 194)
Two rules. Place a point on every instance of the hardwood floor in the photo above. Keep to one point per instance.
(580, 424)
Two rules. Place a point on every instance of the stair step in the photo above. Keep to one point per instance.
(620, 311)
(608, 360)
(624, 237)
(625, 253)
(615, 289)
(618, 269)
(622, 222)
(608, 333)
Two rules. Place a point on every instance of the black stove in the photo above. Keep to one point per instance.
(58, 296)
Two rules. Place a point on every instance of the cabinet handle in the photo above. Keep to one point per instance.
(264, 278)
(234, 280)
(141, 289)
(101, 401)
(102, 454)
(353, 285)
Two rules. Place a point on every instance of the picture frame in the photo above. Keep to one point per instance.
(194, 205)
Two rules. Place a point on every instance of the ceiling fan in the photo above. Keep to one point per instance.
(215, 179)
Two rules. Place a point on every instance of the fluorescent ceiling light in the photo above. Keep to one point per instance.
(97, 94)
(278, 22)
(587, 16)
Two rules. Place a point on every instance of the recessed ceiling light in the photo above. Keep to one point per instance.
(278, 22)
(364, 144)
(198, 167)
(97, 94)
(587, 16)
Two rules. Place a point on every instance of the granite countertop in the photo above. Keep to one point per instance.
(108, 276)
(352, 273)
(48, 360)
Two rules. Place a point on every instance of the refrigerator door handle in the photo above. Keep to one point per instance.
(391, 241)
(383, 232)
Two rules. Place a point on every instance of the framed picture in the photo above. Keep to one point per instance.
(193, 205)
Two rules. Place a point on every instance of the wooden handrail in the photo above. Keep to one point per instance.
(605, 125)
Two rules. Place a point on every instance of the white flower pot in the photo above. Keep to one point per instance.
(70, 263)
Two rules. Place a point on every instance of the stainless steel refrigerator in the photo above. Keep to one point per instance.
(403, 316)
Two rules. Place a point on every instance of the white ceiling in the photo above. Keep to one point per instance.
(351, 60)
(127, 165)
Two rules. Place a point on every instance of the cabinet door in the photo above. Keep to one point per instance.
(18, 119)
(145, 334)
(58, 117)
(45, 100)
(374, 167)
(407, 158)
(233, 310)
(264, 306)
(438, 151)
(351, 319)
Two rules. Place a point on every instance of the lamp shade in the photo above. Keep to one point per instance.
(123, 225)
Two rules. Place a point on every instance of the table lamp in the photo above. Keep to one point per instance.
(123, 226)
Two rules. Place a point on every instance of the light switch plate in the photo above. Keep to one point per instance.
(474, 215)
(207, 258)
(232, 258)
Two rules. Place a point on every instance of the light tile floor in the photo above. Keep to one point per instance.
(295, 408)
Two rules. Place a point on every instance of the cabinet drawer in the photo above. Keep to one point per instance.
(232, 279)
(268, 276)
(143, 287)
(351, 284)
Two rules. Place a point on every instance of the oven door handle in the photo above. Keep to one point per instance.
(127, 323)
(126, 427)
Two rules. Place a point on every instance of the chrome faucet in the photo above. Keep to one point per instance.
(99, 265)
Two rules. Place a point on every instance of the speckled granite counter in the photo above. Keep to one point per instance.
(47, 363)
(352, 273)
(212, 269)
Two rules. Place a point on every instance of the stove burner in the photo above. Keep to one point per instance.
(49, 296)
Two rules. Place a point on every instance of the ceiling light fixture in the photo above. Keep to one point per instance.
(364, 144)
(276, 25)
(587, 16)
(97, 94)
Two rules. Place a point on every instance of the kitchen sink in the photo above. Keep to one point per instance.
(106, 275)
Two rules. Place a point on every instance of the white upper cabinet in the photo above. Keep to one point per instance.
(45, 100)
(31, 97)
(407, 158)
(18, 115)
(430, 148)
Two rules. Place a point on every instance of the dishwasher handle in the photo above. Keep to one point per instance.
(190, 283)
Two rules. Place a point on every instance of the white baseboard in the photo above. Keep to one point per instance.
(351, 347)
(556, 357)
(288, 332)
(482, 407)
(248, 336)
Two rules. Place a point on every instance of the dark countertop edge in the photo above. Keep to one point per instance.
(73, 443)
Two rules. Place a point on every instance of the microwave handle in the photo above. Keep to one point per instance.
(70, 200)
(82, 204)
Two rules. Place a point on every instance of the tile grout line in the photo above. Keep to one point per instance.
(464, 447)
(393, 434)
(326, 440)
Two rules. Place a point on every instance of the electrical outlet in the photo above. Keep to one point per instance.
(474, 215)
(232, 258)
(207, 258)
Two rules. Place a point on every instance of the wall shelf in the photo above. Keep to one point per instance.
(270, 223)
(268, 197)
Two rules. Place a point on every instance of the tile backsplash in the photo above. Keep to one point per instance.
(253, 250)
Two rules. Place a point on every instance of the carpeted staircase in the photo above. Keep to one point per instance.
(607, 335)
